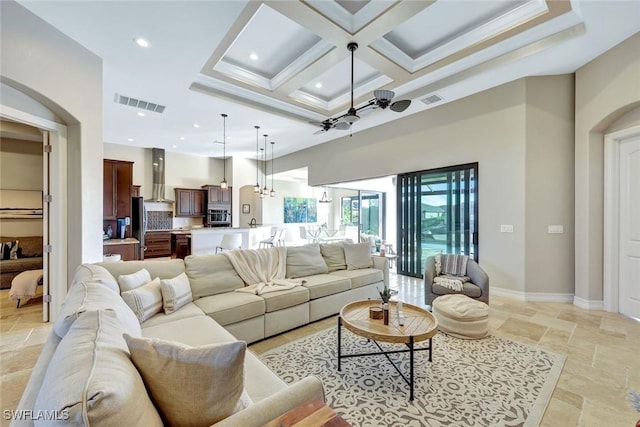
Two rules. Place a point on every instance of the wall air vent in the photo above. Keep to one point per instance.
(138, 103)
(431, 99)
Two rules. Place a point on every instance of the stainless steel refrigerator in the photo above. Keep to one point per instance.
(138, 223)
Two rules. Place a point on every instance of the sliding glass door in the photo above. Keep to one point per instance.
(437, 212)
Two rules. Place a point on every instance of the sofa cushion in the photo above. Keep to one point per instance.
(211, 275)
(305, 261)
(131, 281)
(9, 250)
(95, 273)
(361, 277)
(278, 300)
(321, 285)
(30, 247)
(191, 386)
(93, 295)
(146, 300)
(358, 255)
(232, 307)
(188, 310)
(94, 380)
(165, 269)
(176, 293)
(333, 255)
(193, 331)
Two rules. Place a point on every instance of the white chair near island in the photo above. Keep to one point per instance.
(230, 241)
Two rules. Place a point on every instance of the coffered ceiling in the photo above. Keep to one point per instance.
(282, 64)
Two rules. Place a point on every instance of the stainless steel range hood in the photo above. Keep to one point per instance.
(157, 194)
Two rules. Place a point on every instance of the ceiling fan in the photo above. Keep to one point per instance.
(381, 100)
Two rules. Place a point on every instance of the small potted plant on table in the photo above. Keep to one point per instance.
(385, 295)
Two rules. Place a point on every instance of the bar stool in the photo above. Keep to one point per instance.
(230, 241)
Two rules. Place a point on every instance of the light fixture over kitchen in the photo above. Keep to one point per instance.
(260, 189)
(265, 190)
(223, 184)
(256, 188)
(273, 190)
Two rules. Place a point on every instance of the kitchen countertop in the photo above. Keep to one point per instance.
(127, 241)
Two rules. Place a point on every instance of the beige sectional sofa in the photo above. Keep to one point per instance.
(85, 369)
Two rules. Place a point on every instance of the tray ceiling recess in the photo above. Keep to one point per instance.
(289, 58)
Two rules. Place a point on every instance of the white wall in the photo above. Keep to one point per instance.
(606, 89)
(55, 71)
(20, 169)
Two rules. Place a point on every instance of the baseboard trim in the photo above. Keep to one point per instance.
(588, 304)
(533, 296)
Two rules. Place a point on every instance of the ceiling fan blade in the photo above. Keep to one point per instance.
(319, 131)
(400, 106)
(384, 94)
(342, 125)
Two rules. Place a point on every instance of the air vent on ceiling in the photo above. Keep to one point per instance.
(431, 99)
(138, 103)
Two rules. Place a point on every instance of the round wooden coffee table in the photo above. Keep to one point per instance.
(419, 325)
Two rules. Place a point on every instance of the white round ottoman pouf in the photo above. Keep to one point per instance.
(461, 316)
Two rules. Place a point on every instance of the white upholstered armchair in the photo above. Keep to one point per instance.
(477, 287)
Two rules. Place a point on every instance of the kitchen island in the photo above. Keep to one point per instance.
(205, 240)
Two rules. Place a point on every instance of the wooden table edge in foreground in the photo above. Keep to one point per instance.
(355, 317)
(312, 413)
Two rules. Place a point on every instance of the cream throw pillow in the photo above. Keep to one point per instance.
(176, 293)
(145, 300)
(190, 386)
(303, 261)
(333, 254)
(358, 255)
(132, 281)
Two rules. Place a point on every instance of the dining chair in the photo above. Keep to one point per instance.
(229, 242)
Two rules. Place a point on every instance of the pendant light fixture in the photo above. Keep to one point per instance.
(223, 183)
(273, 190)
(325, 198)
(260, 189)
(265, 190)
(256, 188)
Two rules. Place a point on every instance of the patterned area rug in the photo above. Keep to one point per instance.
(488, 382)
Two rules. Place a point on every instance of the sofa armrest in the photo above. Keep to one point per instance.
(479, 278)
(275, 405)
(429, 275)
(382, 263)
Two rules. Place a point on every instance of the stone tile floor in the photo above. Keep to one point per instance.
(602, 349)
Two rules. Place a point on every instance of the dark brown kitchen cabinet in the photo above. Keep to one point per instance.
(190, 202)
(217, 195)
(117, 185)
(157, 243)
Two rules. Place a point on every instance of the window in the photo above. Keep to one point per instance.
(437, 212)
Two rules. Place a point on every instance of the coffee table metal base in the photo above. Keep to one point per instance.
(410, 349)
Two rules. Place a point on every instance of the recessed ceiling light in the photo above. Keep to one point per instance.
(195, 125)
(182, 138)
(141, 42)
(253, 56)
(140, 113)
(174, 146)
(130, 139)
(318, 85)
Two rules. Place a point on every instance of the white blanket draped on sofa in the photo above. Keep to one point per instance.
(263, 270)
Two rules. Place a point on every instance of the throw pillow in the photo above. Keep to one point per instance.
(190, 386)
(358, 255)
(333, 255)
(303, 261)
(132, 281)
(176, 293)
(9, 250)
(145, 300)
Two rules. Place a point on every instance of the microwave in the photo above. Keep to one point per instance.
(218, 216)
